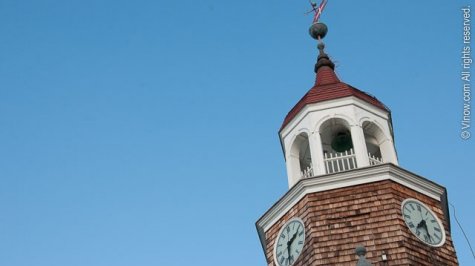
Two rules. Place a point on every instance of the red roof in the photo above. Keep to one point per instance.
(329, 87)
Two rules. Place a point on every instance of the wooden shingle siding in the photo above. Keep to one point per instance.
(370, 215)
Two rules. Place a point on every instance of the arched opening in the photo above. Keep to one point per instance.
(374, 137)
(301, 158)
(337, 146)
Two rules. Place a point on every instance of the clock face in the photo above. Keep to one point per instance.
(290, 242)
(423, 223)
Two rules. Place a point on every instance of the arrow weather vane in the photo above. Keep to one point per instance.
(317, 10)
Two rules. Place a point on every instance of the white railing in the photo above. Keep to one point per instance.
(340, 161)
(373, 160)
(307, 172)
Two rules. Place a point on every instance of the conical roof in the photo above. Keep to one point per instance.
(329, 87)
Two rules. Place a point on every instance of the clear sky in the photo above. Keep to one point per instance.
(145, 132)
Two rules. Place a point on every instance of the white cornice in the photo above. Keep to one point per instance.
(330, 104)
(346, 179)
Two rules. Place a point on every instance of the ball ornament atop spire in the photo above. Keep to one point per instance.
(318, 30)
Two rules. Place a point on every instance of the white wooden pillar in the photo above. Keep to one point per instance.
(359, 146)
(293, 169)
(316, 150)
(388, 152)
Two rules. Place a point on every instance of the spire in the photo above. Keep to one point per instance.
(324, 68)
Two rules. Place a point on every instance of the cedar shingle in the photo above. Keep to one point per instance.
(338, 220)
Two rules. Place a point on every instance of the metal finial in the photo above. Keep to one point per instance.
(318, 30)
(323, 59)
(321, 46)
(361, 252)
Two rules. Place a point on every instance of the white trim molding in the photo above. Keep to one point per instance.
(354, 177)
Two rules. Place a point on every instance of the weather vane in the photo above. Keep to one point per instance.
(318, 30)
(317, 10)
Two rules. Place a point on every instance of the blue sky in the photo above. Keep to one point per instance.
(145, 132)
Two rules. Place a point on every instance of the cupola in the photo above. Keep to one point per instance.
(335, 127)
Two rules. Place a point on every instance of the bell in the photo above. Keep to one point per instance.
(342, 142)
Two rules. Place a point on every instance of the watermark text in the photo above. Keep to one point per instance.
(466, 73)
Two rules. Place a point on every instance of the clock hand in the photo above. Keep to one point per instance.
(423, 224)
(420, 224)
(428, 236)
(288, 251)
(427, 231)
(293, 237)
(289, 245)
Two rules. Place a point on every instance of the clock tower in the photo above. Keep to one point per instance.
(349, 202)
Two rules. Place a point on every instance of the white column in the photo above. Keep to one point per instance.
(359, 146)
(388, 152)
(293, 171)
(316, 150)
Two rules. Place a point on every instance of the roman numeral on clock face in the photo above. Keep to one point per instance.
(426, 238)
(281, 260)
